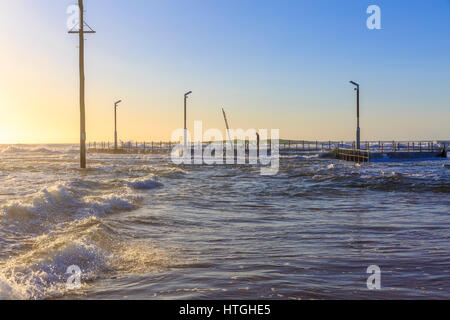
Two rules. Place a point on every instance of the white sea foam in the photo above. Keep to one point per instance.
(148, 182)
(12, 149)
(304, 156)
(40, 272)
(59, 203)
(43, 150)
(23, 149)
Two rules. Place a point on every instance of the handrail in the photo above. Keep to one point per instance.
(355, 155)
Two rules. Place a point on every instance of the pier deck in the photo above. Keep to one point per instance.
(371, 151)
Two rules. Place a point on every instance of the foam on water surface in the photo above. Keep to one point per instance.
(141, 227)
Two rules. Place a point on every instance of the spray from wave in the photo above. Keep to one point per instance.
(63, 225)
(149, 182)
(40, 272)
(59, 203)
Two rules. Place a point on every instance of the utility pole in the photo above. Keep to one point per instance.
(115, 123)
(81, 33)
(358, 130)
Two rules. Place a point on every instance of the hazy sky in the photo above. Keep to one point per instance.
(270, 64)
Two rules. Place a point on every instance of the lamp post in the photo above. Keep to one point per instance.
(115, 123)
(358, 130)
(185, 125)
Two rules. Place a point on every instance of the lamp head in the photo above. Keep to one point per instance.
(187, 93)
(117, 102)
(355, 84)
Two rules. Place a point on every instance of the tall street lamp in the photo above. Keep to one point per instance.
(115, 123)
(185, 125)
(358, 131)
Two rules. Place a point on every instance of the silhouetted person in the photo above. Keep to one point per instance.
(444, 152)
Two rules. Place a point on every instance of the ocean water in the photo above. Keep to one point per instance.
(139, 227)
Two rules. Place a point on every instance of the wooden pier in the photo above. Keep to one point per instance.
(370, 150)
(134, 147)
(392, 151)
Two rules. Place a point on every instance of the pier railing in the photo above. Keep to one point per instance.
(284, 146)
(355, 155)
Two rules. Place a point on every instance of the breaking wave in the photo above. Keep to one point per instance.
(41, 271)
(64, 225)
(149, 182)
(58, 203)
(15, 149)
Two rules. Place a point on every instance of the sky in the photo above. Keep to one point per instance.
(280, 64)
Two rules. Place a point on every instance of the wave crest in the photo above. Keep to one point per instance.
(149, 182)
(40, 272)
(61, 203)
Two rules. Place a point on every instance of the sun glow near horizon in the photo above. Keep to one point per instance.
(293, 77)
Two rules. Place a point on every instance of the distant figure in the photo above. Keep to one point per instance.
(444, 152)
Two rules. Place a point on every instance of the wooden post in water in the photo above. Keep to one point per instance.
(81, 33)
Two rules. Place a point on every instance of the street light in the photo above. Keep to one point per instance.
(185, 126)
(358, 131)
(115, 123)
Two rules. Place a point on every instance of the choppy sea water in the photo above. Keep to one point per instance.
(140, 227)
